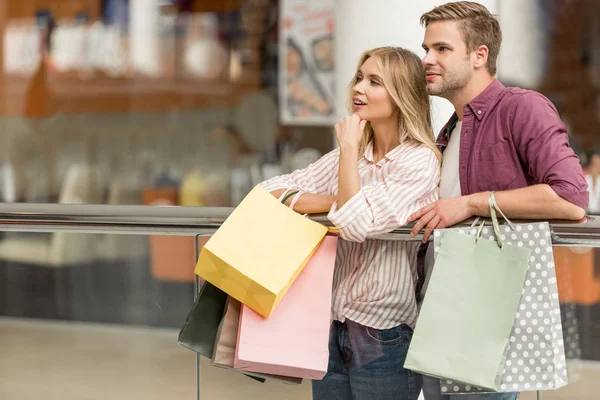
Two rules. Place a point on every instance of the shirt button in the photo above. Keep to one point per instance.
(479, 112)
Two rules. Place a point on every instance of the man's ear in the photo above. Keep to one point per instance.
(481, 56)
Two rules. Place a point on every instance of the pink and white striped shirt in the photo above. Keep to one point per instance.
(374, 281)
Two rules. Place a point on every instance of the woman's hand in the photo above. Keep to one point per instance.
(349, 131)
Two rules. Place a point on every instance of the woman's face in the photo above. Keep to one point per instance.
(371, 100)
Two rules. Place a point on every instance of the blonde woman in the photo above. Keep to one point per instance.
(387, 166)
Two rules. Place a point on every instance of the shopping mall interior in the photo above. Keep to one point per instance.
(190, 104)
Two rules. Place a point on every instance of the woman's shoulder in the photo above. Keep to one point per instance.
(331, 156)
(416, 150)
(333, 153)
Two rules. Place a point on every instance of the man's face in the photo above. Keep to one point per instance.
(448, 66)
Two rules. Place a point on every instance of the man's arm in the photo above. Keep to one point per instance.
(533, 202)
(541, 141)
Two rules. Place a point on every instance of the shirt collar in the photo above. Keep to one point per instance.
(448, 128)
(478, 106)
(369, 152)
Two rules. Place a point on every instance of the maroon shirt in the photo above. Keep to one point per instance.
(512, 138)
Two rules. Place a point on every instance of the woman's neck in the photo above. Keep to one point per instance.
(385, 137)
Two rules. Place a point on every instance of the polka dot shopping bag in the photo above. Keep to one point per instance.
(490, 321)
(536, 356)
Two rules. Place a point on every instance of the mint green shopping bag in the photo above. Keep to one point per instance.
(469, 310)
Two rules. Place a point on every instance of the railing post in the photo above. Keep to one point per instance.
(196, 288)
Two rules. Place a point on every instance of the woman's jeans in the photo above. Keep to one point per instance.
(367, 364)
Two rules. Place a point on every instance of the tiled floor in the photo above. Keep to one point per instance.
(75, 361)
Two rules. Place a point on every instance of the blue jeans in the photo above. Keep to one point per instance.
(367, 364)
(431, 391)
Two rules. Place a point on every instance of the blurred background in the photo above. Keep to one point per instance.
(192, 103)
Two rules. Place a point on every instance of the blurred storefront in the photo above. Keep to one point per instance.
(154, 102)
(149, 94)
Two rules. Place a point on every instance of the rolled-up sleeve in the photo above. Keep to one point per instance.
(384, 206)
(542, 142)
(316, 178)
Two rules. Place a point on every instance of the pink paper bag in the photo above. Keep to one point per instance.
(294, 340)
(224, 350)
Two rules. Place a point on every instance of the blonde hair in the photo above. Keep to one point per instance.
(477, 25)
(404, 80)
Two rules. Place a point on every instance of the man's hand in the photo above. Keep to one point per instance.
(441, 214)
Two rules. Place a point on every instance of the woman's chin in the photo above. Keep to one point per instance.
(361, 113)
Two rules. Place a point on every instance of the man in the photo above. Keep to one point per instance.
(507, 140)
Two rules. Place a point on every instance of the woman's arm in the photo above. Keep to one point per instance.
(309, 203)
(316, 178)
(384, 206)
(348, 177)
(349, 133)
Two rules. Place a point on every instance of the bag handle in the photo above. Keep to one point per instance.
(287, 195)
(284, 193)
(295, 199)
(496, 225)
(289, 192)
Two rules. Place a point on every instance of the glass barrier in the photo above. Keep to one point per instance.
(99, 315)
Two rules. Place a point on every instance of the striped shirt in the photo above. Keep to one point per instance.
(374, 280)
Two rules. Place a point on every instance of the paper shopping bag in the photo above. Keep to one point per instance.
(226, 342)
(259, 251)
(294, 340)
(200, 329)
(469, 310)
(536, 351)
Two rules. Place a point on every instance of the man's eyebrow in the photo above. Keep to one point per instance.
(438, 44)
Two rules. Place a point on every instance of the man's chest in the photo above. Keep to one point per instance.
(487, 157)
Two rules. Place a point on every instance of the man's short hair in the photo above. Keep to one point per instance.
(478, 27)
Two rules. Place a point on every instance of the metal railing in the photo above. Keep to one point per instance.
(191, 221)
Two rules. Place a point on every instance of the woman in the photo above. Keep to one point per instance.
(386, 167)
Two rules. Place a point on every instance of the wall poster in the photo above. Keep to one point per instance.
(306, 66)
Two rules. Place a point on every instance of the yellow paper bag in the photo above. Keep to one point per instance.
(258, 252)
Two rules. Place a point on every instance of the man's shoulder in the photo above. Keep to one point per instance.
(519, 99)
(525, 108)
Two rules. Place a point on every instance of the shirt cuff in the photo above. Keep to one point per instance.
(580, 199)
(353, 208)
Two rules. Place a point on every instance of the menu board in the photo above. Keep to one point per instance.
(306, 67)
